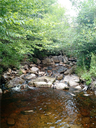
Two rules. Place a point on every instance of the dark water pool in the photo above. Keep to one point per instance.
(48, 108)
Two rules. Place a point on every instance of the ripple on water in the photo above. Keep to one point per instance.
(48, 108)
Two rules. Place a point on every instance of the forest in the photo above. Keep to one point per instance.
(38, 28)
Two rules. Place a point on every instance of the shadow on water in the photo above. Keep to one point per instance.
(47, 108)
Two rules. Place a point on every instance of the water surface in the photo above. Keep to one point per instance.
(48, 108)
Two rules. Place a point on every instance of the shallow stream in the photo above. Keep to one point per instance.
(48, 108)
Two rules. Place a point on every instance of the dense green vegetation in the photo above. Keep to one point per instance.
(29, 27)
(36, 27)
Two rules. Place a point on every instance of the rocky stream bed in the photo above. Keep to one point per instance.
(47, 95)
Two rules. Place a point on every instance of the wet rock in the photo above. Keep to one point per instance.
(78, 87)
(14, 82)
(60, 58)
(24, 86)
(41, 73)
(0, 91)
(10, 121)
(72, 80)
(44, 81)
(55, 59)
(65, 59)
(85, 88)
(93, 85)
(37, 61)
(17, 88)
(6, 76)
(86, 120)
(47, 61)
(70, 71)
(61, 86)
(61, 69)
(34, 70)
(86, 94)
(30, 76)
(60, 77)
(23, 71)
(27, 112)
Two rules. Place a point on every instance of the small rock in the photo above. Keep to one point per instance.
(86, 94)
(78, 87)
(6, 76)
(55, 59)
(24, 86)
(37, 61)
(27, 112)
(9, 70)
(10, 121)
(70, 71)
(34, 70)
(47, 61)
(41, 73)
(0, 90)
(30, 76)
(61, 86)
(60, 58)
(60, 77)
(65, 59)
(23, 71)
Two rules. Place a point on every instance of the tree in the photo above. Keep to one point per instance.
(27, 26)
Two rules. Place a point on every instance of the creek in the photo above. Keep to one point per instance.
(48, 108)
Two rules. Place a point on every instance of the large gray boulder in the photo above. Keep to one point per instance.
(43, 81)
(14, 82)
(72, 80)
(61, 86)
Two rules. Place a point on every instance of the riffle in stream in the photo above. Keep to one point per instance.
(48, 108)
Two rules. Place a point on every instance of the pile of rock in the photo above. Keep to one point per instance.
(53, 71)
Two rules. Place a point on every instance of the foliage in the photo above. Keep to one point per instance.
(86, 75)
(29, 27)
(85, 40)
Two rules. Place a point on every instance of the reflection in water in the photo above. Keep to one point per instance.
(47, 108)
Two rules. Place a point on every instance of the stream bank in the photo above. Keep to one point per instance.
(56, 72)
(47, 95)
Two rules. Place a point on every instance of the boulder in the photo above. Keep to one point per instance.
(47, 61)
(6, 76)
(43, 81)
(65, 59)
(61, 86)
(70, 71)
(60, 58)
(60, 77)
(10, 121)
(0, 91)
(93, 85)
(34, 70)
(41, 73)
(14, 82)
(72, 80)
(36, 60)
(78, 87)
(30, 76)
(55, 59)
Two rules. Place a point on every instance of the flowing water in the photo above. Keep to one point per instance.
(48, 108)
